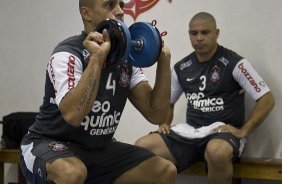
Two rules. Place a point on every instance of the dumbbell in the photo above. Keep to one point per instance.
(140, 45)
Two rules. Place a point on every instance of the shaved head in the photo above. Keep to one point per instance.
(84, 5)
(203, 35)
(203, 16)
(87, 3)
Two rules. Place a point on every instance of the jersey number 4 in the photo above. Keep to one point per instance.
(111, 84)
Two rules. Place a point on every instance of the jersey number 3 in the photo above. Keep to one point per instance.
(202, 86)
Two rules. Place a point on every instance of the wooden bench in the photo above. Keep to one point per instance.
(10, 156)
(247, 168)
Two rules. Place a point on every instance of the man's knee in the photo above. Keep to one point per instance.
(67, 172)
(141, 142)
(155, 170)
(170, 169)
(74, 175)
(218, 155)
(167, 170)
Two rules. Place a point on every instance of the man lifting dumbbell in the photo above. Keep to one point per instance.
(85, 94)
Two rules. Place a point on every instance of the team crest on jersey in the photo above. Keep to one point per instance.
(56, 146)
(124, 76)
(215, 74)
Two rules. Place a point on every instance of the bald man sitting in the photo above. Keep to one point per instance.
(214, 80)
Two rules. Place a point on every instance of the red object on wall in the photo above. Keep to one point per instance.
(136, 7)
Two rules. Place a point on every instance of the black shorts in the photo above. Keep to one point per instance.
(103, 165)
(188, 151)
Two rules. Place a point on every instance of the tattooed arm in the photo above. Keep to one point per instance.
(78, 102)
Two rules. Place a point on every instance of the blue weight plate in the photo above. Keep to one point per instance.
(146, 55)
(120, 40)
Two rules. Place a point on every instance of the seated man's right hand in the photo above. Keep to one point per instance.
(164, 128)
